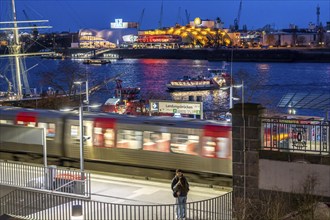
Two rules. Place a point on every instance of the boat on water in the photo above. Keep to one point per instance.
(53, 56)
(217, 79)
(96, 61)
(125, 101)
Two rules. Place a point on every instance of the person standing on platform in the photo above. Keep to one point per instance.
(180, 187)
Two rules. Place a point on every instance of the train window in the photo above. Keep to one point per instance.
(216, 147)
(50, 129)
(75, 131)
(129, 139)
(103, 137)
(27, 123)
(156, 141)
(216, 141)
(209, 146)
(8, 122)
(185, 144)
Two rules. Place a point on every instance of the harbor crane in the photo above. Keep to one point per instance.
(187, 17)
(140, 20)
(237, 19)
(160, 22)
(178, 19)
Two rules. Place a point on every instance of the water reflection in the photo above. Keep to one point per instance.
(263, 67)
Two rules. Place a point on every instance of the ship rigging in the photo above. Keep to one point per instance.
(17, 55)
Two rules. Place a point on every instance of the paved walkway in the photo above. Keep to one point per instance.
(133, 190)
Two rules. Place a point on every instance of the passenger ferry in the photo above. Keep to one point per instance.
(218, 79)
(96, 61)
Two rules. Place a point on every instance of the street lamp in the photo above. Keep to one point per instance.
(87, 90)
(231, 98)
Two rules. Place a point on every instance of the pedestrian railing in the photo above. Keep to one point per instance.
(296, 135)
(41, 178)
(48, 206)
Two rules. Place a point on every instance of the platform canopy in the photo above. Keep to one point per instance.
(305, 100)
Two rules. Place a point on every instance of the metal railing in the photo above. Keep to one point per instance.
(47, 206)
(51, 178)
(296, 135)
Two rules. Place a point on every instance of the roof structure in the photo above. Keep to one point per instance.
(305, 100)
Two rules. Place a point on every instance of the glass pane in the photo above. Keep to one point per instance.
(129, 139)
(50, 129)
(8, 122)
(103, 137)
(216, 147)
(185, 144)
(156, 141)
(74, 131)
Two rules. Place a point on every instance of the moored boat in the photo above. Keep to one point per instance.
(53, 56)
(218, 79)
(96, 61)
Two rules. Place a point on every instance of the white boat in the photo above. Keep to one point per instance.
(218, 79)
(96, 61)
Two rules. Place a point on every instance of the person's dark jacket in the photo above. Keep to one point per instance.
(180, 185)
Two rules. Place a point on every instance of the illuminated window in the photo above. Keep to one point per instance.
(74, 131)
(216, 147)
(156, 141)
(129, 139)
(103, 137)
(50, 129)
(28, 124)
(185, 144)
(8, 122)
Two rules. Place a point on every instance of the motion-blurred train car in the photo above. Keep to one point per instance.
(144, 146)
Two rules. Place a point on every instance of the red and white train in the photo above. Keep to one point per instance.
(145, 146)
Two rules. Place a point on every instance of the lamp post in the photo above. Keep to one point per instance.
(81, 138)
(86, 101)
(231, 98)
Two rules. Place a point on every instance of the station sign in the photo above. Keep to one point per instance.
(183, 107)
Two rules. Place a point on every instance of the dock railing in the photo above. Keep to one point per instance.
(48, 179)
(296, 135)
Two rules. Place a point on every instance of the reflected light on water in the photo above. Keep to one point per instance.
(263, 67)
(153, 61)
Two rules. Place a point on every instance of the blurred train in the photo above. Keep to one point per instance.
(142, 146)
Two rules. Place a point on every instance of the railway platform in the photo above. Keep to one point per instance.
(114, 196)
(135, 190)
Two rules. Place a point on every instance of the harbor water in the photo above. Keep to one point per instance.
(264, 83)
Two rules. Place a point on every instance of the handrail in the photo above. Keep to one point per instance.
(39, 205)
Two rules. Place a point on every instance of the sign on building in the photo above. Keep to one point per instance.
(183, 107)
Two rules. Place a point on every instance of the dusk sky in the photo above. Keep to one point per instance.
(72, 15)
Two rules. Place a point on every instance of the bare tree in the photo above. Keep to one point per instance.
(62, 80)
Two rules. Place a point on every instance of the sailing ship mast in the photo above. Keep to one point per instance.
(16, 52)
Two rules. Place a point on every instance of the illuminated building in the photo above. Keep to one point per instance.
(192, 36)
(119, 33)
(199, 33)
